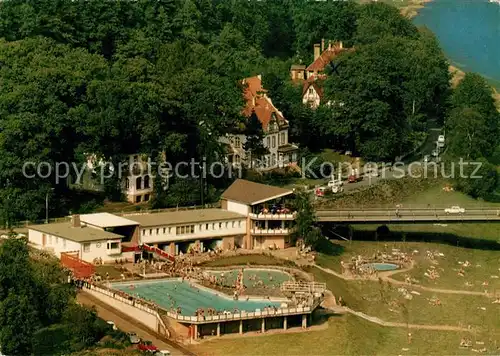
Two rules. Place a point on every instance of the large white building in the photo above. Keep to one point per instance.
(93, 237)
(252, 216)
(136, 176)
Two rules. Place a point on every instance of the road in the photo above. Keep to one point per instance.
(127, 324)
(407, 215)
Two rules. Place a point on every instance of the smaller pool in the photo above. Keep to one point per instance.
(381, 266)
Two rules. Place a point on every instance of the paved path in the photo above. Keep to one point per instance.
(404, 325)
(127, 324)
(387, 278)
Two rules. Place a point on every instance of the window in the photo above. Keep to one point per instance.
(274, 141)
(143, 232)
(169, 230)
(138, 183)
(239, 223)
(283, 138)
(86, 247)
(157, 231)
(186, 229)
(138, 199)
(206, 226)
(113, 245)
(150, 232)
(237, 159)
(213, 226)
(199, 227)
(311, 91)
(146, 182)
(227, 224)
(127, 183)
(146, 197)
(237, 142)
(220, 225)
(164, 229)
(234, 223)
(268, 142)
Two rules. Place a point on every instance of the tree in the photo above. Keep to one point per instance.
(254, 143)
(305, 219)
(474, 122)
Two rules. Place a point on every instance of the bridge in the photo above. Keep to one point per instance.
(404, 216)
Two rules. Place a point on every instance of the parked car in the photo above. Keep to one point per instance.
(163, 353)
(454, 210)
(147, 346)
(112, 324)
(134, 339)
(441, 139)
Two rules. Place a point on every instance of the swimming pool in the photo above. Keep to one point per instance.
(381, 266)
(173, 293)
(251, 277)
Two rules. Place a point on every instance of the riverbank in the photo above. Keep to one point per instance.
(409, 8)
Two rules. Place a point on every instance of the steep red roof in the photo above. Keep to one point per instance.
(257, 100)
(326, 57)
(315, 84)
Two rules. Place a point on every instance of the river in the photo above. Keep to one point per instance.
(469, 33)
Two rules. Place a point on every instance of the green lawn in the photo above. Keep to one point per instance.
(254, 259)
(346, 335)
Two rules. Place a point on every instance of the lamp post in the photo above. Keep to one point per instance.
(203, 125)
(47, 205)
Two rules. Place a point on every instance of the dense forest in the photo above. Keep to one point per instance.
(123, 77)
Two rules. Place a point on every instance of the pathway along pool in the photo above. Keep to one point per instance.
(175, 293)
(381, 266)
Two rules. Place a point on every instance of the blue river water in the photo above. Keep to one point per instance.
(469, 34)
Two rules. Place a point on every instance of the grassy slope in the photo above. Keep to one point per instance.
(351, 336)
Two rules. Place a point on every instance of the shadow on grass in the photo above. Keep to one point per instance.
(329, 248)
(383, 233)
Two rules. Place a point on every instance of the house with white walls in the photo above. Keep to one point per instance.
(94, 237)
(136, 174)
(269, 212)
(281, 152)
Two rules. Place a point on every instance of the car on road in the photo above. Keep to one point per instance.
(162, 353)
(134, 339)
(454, 210)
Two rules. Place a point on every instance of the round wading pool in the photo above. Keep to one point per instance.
(381, 266)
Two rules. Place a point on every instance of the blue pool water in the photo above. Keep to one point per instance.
(270, 278)
(174, 293)
(469, 33)
(382, 266)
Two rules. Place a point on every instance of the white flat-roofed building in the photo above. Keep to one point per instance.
(174, 231)
(90, 243)
(270, 219)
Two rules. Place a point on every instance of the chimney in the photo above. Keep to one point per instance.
(322, 44)
(260, 77)
(76, 221)
(329, 45)
(317, 50)
(341, 45)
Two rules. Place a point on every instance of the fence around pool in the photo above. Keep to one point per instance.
(154, 308)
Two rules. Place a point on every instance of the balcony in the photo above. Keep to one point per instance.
(257, 231)
(269, 216)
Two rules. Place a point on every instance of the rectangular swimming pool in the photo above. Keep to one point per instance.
(176, 293)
